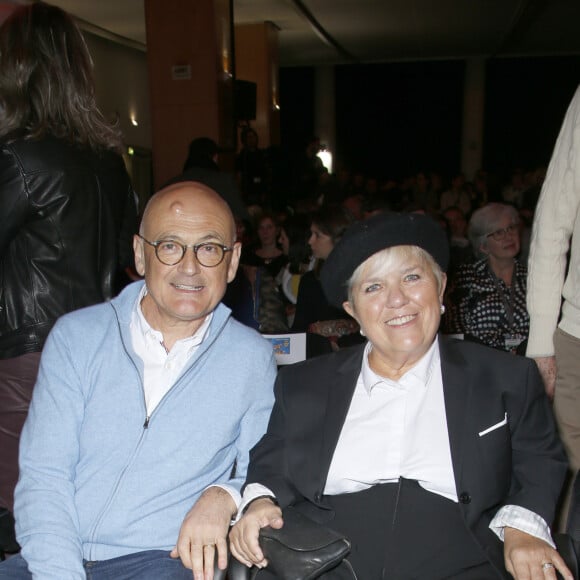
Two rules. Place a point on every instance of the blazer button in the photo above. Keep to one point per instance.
(317, 497)
(464, 497)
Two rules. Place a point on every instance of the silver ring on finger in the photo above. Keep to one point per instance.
(208, 545)
(547, 566)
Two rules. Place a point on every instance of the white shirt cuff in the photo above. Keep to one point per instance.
(251, 492)
(520, 518)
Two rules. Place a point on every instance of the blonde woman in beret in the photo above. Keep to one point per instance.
(437, 458)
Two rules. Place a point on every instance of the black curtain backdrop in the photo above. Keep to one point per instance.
(296, 107)
(395, 119)
(526, 100)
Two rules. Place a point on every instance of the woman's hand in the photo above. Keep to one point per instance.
(244, 535)
(529, 558)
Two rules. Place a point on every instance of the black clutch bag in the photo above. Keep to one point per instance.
(302, 549)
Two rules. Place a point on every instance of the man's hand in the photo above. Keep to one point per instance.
(547, 368)
(244, 535)
(525, 556)
(204, 529)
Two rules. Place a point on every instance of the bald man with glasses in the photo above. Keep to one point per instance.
(144, 413)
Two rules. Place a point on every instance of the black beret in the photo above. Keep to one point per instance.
(374, 234)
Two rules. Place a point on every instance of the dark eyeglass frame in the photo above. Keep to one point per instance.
(499, 235)
(184, 247)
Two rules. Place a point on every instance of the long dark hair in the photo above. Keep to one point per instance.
(46, 85)
(332, 220)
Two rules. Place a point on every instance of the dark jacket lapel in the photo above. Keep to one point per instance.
(340, 394)
(457, 393)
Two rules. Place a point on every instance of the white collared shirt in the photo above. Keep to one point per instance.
(160, 368)
(395, 429)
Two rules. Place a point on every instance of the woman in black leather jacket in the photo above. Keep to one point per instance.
(66, 203)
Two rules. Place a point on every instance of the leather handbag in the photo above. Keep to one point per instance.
(302, 549)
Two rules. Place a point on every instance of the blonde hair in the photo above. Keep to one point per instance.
(383, 261)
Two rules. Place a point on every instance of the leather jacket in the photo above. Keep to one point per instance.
(67, 216)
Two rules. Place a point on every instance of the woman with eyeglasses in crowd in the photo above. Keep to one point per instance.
(486, 301)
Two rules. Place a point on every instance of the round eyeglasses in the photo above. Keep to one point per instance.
(170, 252)
(501, 234)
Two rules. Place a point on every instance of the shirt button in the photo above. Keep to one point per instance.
(465, 497)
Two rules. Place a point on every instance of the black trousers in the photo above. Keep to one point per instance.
(400, 531)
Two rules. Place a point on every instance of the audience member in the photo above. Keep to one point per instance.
(251, 168)
(526, 221)
(357, 184)
(354, 205)
(202, 152)
(480, 191)
(293, 239)
(423, 196)
(254, 295)
(487, 299)
(313, 312)
(67, 206)
(145, 409)
(513, 193)
(436, 182)
(534, 187)
(457, 196)
(268, 307)
(268, 253)
(460, 248)
(343, 183)
(201, 166)
(375, 204)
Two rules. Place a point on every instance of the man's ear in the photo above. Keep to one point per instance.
(235, 261)
(139, 252)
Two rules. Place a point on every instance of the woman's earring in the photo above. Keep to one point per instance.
(362, 332)
(442, 309)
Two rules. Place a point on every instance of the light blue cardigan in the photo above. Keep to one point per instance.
(95, 481)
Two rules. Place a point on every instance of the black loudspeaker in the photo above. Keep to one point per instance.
(245, 100)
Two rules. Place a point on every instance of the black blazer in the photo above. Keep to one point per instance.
(521, 464)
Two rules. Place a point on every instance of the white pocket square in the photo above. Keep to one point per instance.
(494, 427)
